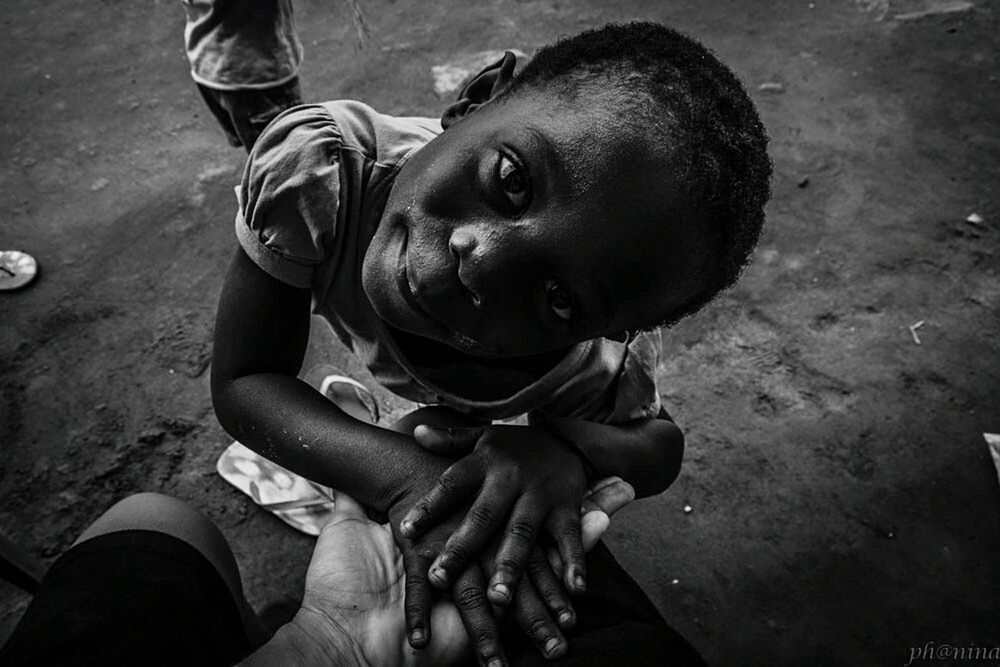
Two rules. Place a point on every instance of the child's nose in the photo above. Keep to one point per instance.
(461, 243)
(468, 248)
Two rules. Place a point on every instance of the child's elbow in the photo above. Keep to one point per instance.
(669, 445)
(223, 401)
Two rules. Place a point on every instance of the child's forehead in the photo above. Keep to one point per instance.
(587, 144)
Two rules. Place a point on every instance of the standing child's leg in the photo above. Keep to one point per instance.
(244, 113)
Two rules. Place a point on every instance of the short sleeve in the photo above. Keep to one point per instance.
(636, 394)
(290, 195)
(615, 384)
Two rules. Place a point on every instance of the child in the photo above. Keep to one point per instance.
(517, 262)
(244, 58)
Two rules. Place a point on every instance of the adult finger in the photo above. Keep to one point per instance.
(469, 595)
(564, 525)
(449, 441)
(592, 526)
(608, 495)
(448, 495)
(346, 508)
(549, 588)
(534, 619)
(418, 603)
(515, 547)
(483, 519)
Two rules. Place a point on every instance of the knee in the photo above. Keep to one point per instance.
(163, 514)
(174, 517)
(148, 511)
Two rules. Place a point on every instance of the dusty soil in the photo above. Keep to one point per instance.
(844, 506)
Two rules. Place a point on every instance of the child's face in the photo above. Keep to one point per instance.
(526, 227)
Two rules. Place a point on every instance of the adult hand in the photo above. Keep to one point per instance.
(356, 581)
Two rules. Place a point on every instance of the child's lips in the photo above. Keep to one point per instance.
(409, 287)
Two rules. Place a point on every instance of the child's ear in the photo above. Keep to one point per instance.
(481, 89)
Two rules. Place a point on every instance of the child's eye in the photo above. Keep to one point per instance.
(559, 299)
(514, 181)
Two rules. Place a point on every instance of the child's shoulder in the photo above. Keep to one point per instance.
(326, 128)
(385, 138)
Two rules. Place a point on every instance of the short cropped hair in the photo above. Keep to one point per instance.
(676, 93)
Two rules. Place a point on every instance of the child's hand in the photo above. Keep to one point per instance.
(538, 599)
(520, 477)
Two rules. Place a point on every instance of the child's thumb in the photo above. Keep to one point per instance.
(447, 441)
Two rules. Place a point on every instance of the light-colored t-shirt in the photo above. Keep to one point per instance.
(233, 44)
(311, 199)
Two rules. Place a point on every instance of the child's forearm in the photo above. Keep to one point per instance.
(646, 453)
(261, 332)
(290, 423)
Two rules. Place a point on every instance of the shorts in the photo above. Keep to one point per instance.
(243, 114)
(132, 597)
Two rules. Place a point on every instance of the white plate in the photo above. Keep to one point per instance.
(17, 269)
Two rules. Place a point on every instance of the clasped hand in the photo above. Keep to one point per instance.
(481, 520)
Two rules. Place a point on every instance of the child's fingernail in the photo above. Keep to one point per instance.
(551, 645)
(580, 583)
(406, 527)
(495, 662)
(502, 590)
(417, 636)
(439, 573)
(566, 618)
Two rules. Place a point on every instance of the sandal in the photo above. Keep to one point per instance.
(301, 504)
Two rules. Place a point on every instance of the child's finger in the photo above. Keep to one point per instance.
(592, 526)
(447, 496)
(564, 525)
(532, 617)
(481, 522)
(546, 582)
(469, 595)
(608, 495)
(447, 441)
(515, 547)
(555, 560)
(417, 603)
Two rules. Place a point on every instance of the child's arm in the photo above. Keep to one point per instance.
(262, 328)
(261, 333)
(646, 453)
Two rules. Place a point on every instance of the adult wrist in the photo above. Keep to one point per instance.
(311, 639)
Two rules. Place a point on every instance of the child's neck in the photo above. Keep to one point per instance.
(476, 378)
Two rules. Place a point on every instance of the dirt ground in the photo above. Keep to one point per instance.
(844, 505)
